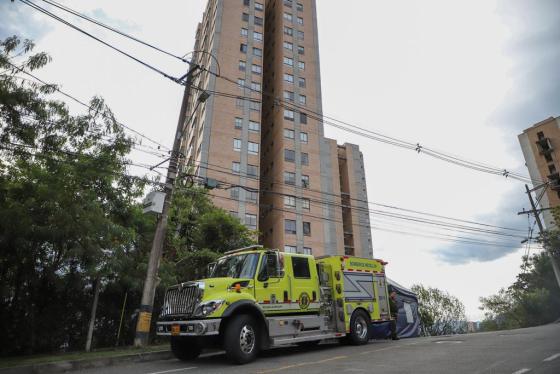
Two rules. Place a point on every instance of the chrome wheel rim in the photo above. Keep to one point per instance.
(361, 327)
(247, 339)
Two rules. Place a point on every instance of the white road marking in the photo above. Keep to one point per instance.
(173, 370)
(521, 371)
(553, 357)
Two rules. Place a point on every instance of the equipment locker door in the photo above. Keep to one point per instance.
(380, 288)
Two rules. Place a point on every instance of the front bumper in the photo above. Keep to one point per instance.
(202, 327)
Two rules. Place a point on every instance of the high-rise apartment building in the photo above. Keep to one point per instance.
(540, 144)
(260, 132)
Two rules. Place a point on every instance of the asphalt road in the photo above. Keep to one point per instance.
(532, 350)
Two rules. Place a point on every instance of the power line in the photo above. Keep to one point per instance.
(63, 21)
(110, 28)
(88, 106)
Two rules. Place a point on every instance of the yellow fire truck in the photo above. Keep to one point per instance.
(255, 298)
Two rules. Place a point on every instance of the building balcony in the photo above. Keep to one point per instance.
(554, 179)
(544, 146)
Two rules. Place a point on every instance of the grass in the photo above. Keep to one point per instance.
(75, 356)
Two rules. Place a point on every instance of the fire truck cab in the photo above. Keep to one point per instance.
(255, 298)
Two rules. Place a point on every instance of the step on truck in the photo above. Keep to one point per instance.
(256, 298)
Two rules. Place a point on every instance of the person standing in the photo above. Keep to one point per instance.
(394, 309)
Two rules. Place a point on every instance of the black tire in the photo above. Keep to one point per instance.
(359, 328)
(241, 341)
(184, 348)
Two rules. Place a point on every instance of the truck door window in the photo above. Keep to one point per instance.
(270, 266)
(300, 266)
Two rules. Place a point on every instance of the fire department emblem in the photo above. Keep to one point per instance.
(304, 300)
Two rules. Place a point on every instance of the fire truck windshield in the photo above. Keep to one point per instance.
(237, 266)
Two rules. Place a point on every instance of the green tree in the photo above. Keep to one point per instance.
(66, 207)
(440, 312)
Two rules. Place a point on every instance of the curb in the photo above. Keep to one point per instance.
(65, 366)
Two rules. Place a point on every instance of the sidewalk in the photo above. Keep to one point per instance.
(59, 363)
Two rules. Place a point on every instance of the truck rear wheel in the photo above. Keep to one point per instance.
(184, 348)
(241, 341)
(359, 328)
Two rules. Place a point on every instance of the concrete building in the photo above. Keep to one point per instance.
(540, 144)
(261, 129)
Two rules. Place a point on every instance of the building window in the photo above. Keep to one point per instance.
(289, 178)
(289, 46)
(304, 158)
(238, 122)
(288, 78)
(307, 251)
(254, 126)
(301, 82)
(305, 181)
(288, 95)
(235, 167)
(289, 134)
(289, 155)
(288, 17)
(243, 48)
(251, 196)
(253, 148)
(241, 82)
(290, 248)
(300, 35)
(257, 51)
(300, 267)
(239, 102)
(290, 226)
(288, 114)
(303, 137)
(234, 193)
(257, 36)
(254, 105)
(259, 7)
(252, 171)
(290, 201)
(302, 118)
(300, 50)
(288, 3)
(301, 65)
(242, 65)
(307, 228)
(305, 204)
(255, 86)
(251, 221)
(288, 31)
(237, 145)
(299, 7)
(300, 20)
(258, 21)
(247, 2)
(288, 61)
(233, 213)
(245, 17)
(302, 99)
(257, 69)
(244, 32)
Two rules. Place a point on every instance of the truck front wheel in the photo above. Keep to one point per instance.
(359, 328)
(184, 348)
(241, 341)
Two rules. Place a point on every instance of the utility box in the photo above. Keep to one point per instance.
(153, 203)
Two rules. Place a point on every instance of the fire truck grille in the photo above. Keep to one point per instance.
(181, 300)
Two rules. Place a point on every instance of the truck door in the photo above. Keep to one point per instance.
(271, 284)
(380, 288)
(305, 283)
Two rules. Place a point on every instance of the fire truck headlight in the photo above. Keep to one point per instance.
(208, 307)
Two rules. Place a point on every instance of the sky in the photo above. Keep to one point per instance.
(464, 77)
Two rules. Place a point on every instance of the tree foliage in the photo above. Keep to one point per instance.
(440, 312)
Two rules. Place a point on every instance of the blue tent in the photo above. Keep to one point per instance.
(408, 320)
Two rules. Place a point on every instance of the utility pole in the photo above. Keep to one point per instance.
(534, 210)
(150, 284)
